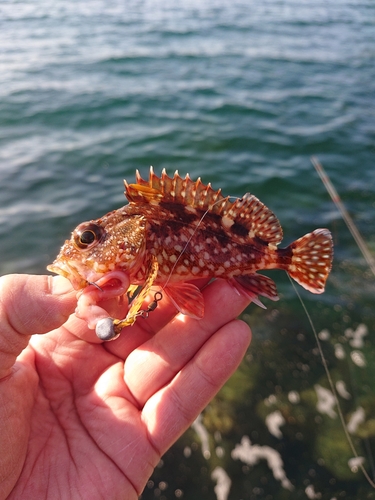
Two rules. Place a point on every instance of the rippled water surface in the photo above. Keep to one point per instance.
(240, 93)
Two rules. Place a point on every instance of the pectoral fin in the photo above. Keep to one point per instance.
(187, 298)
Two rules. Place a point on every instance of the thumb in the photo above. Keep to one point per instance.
(30, 305)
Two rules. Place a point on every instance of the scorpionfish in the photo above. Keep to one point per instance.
(175, 230)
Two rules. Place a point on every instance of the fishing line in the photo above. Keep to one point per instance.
(344, 214)
(369, 258)
(332, 386)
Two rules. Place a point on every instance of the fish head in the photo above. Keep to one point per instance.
(113, 242)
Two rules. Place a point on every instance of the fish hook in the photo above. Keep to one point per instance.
(109, 328)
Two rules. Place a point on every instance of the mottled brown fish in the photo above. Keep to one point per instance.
(176, 230)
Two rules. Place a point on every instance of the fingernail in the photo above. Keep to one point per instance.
(60, 285)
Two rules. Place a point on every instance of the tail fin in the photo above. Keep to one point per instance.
(312, 260)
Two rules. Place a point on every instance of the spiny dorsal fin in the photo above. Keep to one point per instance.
(246, 212)
(175, 190)
(135, 192)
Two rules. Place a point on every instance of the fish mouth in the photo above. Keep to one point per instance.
(72, 273)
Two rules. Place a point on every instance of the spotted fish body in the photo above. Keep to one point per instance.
(182, 230)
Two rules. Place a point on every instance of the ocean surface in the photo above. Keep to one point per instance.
(242, 94)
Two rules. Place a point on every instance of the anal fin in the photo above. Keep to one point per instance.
(257, 284)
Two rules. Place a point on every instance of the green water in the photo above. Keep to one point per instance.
(242, 94)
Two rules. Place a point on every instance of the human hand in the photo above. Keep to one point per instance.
(84, 419)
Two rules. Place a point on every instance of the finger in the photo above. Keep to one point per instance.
(29, 305)
(116, 307)
(113, 284)
(156, 362)
(106, 298)
(170, 411)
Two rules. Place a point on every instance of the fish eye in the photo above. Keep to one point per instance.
(87, 235)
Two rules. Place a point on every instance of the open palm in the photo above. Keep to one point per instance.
(85, 419)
